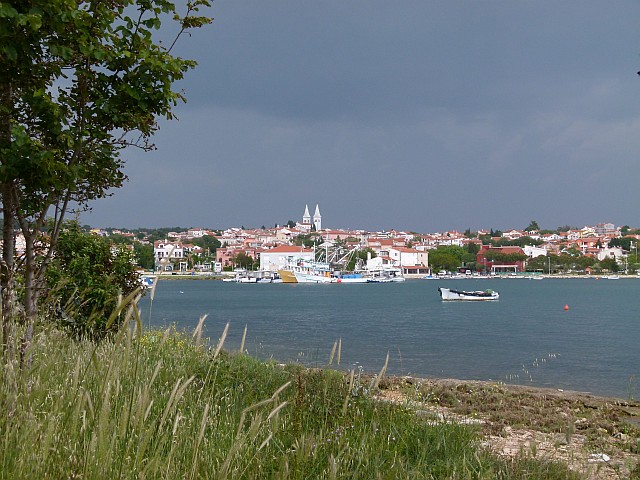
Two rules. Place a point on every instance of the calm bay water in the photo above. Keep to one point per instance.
(525, 338)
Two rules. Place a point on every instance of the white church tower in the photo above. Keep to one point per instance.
(317, 219)
(306, 218)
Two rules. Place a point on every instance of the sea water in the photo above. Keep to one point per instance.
(527, 337)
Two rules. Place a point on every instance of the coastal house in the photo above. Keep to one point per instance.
(551, 238)
(381, 262)
(276, 258)
(196, 233)
(285, 234)
(573, 234)
(610, 252)
(166, 254)
(449, 238)
(606, 229)
(586, 244)
(533, 251)
(225, 255)
(381, 245)
(501, 259)
(514, 234)
(189, 249)
(403, 256)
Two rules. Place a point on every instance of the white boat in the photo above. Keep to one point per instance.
(313, 272)
(147, 281)
(448, 294)
(385, 275)
(247, 279)
(351, 278)
(243, 276)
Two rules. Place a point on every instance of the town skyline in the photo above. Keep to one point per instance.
(317, 220)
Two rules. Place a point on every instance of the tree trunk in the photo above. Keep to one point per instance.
(7, 267)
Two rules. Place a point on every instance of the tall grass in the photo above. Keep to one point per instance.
(162, 405)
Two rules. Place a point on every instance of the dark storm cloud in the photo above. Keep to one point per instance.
(414, 115)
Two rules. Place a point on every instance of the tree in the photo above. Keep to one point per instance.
(610, 264)
(79, 82)
(308, 240)
(533, 226)
(87, 274)
(517, 242)
(449, 257)
(501, 257)
(472, 248)
(144, 255)
(622, 242)
(209, 243)
(242, 260)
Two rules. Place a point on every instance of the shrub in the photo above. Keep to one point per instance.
(86, 278)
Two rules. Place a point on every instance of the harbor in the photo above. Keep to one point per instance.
(525, 338)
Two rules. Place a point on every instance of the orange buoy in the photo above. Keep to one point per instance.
(566, 307)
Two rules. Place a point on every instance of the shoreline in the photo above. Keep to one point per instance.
(597, 436)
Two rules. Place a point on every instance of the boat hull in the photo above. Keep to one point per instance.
(310, 277)
(287, 276)
(448, 295)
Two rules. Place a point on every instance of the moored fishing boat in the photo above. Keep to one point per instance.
(351, 278)
(448, 294)
(313, 272)
(287, 276)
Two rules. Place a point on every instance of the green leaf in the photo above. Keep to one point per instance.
(10, 52)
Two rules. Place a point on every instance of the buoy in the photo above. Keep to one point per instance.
(566, 307)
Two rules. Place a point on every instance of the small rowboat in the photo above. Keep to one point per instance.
(448, 294)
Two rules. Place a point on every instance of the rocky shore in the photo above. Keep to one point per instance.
(596, 436)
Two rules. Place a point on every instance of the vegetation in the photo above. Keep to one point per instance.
(516, 242)
(533, 226)
(80, 81)
(308, 240)
(497, 256)
(452, 257)
(159, 405)
(86, 278)
(564, 263)
(242, 260)
(209, 244)
(144, 255)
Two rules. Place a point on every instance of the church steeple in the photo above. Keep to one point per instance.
(306, 218)
(317, 219)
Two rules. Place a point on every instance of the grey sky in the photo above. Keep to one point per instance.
(416, 115)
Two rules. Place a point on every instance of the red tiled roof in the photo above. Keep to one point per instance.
(288, 249)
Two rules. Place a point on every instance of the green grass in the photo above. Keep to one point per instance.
(159, 406)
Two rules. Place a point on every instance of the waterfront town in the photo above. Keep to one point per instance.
(601, 248)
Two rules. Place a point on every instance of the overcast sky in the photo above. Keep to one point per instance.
(415, 115)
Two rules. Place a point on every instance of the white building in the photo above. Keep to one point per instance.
(615, 252)
(403, 256)
(166, 252)
(276, 258)
(532, 251)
